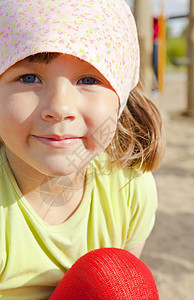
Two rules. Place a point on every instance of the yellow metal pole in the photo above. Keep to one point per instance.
(161, 47)
(191, 57)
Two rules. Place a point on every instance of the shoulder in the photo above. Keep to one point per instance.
(125, 182)
(116, 177)
(127, 199)
(144, 184)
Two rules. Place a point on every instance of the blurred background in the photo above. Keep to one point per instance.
(166, 35)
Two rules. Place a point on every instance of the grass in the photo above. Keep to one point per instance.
(175, 48)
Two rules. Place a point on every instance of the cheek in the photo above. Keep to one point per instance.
(16, 114)
(105, 133)
(21, 106)
(102, 126)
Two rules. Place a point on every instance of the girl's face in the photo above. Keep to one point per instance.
(55, 117)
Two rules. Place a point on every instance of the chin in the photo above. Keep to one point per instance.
(60, 171)
(57, 166)
(57, 172)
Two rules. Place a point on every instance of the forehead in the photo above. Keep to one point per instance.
(45, 62)
(47, 57)
(44, 57)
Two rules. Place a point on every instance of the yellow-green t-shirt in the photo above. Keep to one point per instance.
(34, 256)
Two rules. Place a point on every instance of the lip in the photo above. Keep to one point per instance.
(58, 142)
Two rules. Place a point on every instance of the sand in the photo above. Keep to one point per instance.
(169, 251)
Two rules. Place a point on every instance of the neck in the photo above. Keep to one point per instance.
(54, 199)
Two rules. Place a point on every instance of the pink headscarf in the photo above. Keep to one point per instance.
(102, 32)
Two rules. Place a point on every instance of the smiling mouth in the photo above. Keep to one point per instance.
(57, 142)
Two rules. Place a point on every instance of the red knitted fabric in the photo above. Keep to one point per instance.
(107, 274)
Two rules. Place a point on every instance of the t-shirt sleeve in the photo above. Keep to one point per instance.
(142, 205)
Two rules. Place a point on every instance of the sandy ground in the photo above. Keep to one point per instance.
(169, 251)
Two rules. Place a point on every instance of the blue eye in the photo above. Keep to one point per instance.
(88, 80)
(29, 78)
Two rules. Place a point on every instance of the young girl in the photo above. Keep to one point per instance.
(78, 140)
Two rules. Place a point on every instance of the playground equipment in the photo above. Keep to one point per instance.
(191, 58)
(161, 47)
(142, 10)
(143, 17)
(144, 20)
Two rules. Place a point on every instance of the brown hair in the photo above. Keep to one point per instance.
(138, 141)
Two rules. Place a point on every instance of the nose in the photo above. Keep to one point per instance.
(60, 102)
